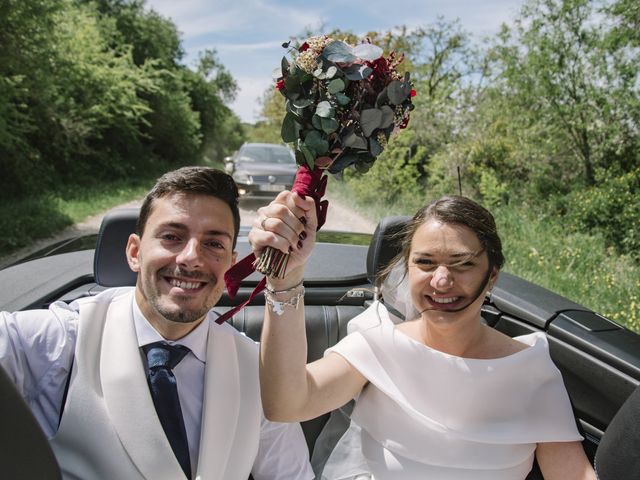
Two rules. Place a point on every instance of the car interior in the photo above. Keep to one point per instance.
(598, 359)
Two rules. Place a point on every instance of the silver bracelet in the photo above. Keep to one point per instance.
(277, 306)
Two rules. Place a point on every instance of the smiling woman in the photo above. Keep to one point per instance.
(440, 395)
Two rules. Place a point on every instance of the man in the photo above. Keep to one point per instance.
(104, 352)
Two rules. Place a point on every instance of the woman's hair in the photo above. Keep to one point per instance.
(453, 210)
(193, 180)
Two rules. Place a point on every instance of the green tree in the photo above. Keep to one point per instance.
(151, 36)
(210, 87)
(559, 72)
(27, 31)
(272, 111)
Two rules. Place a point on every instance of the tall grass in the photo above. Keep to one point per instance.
(25, 220)
(576, 265)
(542, 249)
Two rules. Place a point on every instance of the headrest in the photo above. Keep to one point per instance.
(385, 244)
(24, 449)
(110, 267)
(617, 455)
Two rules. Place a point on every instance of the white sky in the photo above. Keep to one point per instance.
(247, 34)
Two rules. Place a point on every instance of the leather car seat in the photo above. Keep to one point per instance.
(618, 455)
(24, 450)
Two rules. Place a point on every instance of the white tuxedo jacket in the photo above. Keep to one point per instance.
(110, 429)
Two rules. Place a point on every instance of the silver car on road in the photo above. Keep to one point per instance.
(262, 169)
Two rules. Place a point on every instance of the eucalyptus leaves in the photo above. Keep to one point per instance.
(342, 102)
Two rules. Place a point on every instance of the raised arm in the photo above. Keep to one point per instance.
(564, 461)
(291, 389)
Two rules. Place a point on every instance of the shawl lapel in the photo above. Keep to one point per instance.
(221, 406)
(128, 399)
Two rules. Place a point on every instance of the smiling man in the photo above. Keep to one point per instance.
(141, 383)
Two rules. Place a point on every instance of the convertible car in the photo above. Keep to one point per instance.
(599, 359)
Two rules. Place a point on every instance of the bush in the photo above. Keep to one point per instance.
(394, 176)
(610, 208)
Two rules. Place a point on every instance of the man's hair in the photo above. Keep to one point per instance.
(193, 180)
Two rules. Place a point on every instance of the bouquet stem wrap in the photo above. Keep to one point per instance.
(273, 262)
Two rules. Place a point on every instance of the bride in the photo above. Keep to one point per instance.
(439, 396)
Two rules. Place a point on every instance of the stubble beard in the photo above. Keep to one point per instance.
(174, 313)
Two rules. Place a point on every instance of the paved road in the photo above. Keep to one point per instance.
(339, 218)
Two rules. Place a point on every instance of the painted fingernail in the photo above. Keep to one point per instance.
(290, 249)
(300, 244)
(303, 235)
(303, 220)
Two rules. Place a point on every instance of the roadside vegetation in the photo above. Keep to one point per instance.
(540, 123)
(538, 246)
(94, 103)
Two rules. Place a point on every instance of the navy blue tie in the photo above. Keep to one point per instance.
(161, 359)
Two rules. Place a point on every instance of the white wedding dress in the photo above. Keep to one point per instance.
(429, 415)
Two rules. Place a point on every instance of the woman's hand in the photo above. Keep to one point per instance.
(287, 224)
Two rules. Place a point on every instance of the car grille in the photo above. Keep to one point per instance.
(279, 179)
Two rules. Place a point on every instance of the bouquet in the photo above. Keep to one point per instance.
(342, 103)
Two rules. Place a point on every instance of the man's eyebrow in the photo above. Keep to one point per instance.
(217, 233)
(183, 227)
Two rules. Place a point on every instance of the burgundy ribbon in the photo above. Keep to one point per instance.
(308, 182)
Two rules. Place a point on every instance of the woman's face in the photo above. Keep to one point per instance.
(448, 270)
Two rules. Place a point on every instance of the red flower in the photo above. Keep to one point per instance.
(380, 67)
(280, 84)
(413, 93)
(303, 47)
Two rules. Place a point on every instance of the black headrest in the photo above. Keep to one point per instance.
(385, 244)
(617, 455)
(24, 449)
(110, 267)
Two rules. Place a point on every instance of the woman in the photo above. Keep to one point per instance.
(441, 395)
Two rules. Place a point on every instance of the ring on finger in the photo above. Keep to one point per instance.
(262, 222)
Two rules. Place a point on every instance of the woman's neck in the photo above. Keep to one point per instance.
(461, 337)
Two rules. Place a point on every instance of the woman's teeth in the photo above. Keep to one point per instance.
(445, 300)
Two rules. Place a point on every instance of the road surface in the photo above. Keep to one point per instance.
(339, 218)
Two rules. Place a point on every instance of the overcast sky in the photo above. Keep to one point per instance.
(247, 34)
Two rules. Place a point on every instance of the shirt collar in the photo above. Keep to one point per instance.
(196, 340)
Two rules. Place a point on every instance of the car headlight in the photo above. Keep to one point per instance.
(242, 177)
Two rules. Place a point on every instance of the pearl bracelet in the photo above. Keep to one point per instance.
(277, 306)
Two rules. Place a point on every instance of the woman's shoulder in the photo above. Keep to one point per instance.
(375, 316)
(500, 345)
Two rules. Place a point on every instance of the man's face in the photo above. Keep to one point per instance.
(186, 248)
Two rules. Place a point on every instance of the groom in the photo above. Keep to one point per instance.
(86, 368)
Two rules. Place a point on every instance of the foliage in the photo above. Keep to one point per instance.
(209, 87)
(576, 264)
(611, 209)
(342, 102)
(393, 174)
(267, 128)
(25, 220)
(151, 36)
(561, 74)
(93, 90)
